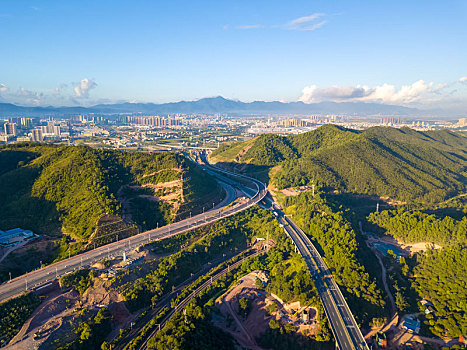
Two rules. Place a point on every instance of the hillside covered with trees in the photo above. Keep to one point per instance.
(400, 163)
(416, 226)
(67, 193)
(337, 241)
(440, 276)
(437, 275)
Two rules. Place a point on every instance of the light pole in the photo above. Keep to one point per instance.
(10, 276)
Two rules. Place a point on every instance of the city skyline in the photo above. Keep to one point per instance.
(72, 54)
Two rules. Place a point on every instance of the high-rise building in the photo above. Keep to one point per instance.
(56, 130)
(37, 135)
(387, 121)
(26, 122)
(10, 129)
(50, 127)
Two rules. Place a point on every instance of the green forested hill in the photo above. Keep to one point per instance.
(50, 188)
(416, 226)
(440, 276)
(400, 163)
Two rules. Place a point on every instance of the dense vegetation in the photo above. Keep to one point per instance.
(55, 189)
(400, 163)
(195, 334)
(337, 241)
(416, 226)
(89, 334)
(289, 278)
(285, 337)
(441, 277)
(80, 280)
(435, 275)
(80, 184)
(215, 239)
(14, 312)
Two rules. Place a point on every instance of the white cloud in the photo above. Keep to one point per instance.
(28, 96)
(463, 80)
(60, 88)
(249, 26)
(385, 93)
(83, 87)
(306, 23)
(3, 88)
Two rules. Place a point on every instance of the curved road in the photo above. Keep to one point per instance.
(45, 275)
(343, 325)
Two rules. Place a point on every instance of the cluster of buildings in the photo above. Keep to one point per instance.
(88, 119)
(153, 120)
(291, 125)
(294, 122)
(23, 129)
(192, 129)
(14, 237)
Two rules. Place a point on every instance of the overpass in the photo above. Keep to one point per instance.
(343, 325)
(45, 275)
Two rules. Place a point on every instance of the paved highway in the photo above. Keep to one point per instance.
(343, 325)
(48, 273)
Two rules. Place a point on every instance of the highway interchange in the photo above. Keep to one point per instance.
(343, 325)
(45, 275)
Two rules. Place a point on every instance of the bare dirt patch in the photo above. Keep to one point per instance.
(290, 191)
(56, 316)
(398, 337)
(172, 194)
(247, 329)
(45, 320)
(406, 248)
(244, 330)
(294, 313)
(242, 153)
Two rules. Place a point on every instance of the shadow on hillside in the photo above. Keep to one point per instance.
(12, 159)
(20, 208)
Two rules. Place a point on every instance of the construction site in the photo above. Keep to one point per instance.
(246, 326)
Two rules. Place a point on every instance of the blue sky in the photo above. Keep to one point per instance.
(84, 52)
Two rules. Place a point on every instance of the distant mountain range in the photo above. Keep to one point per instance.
(218, 105)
